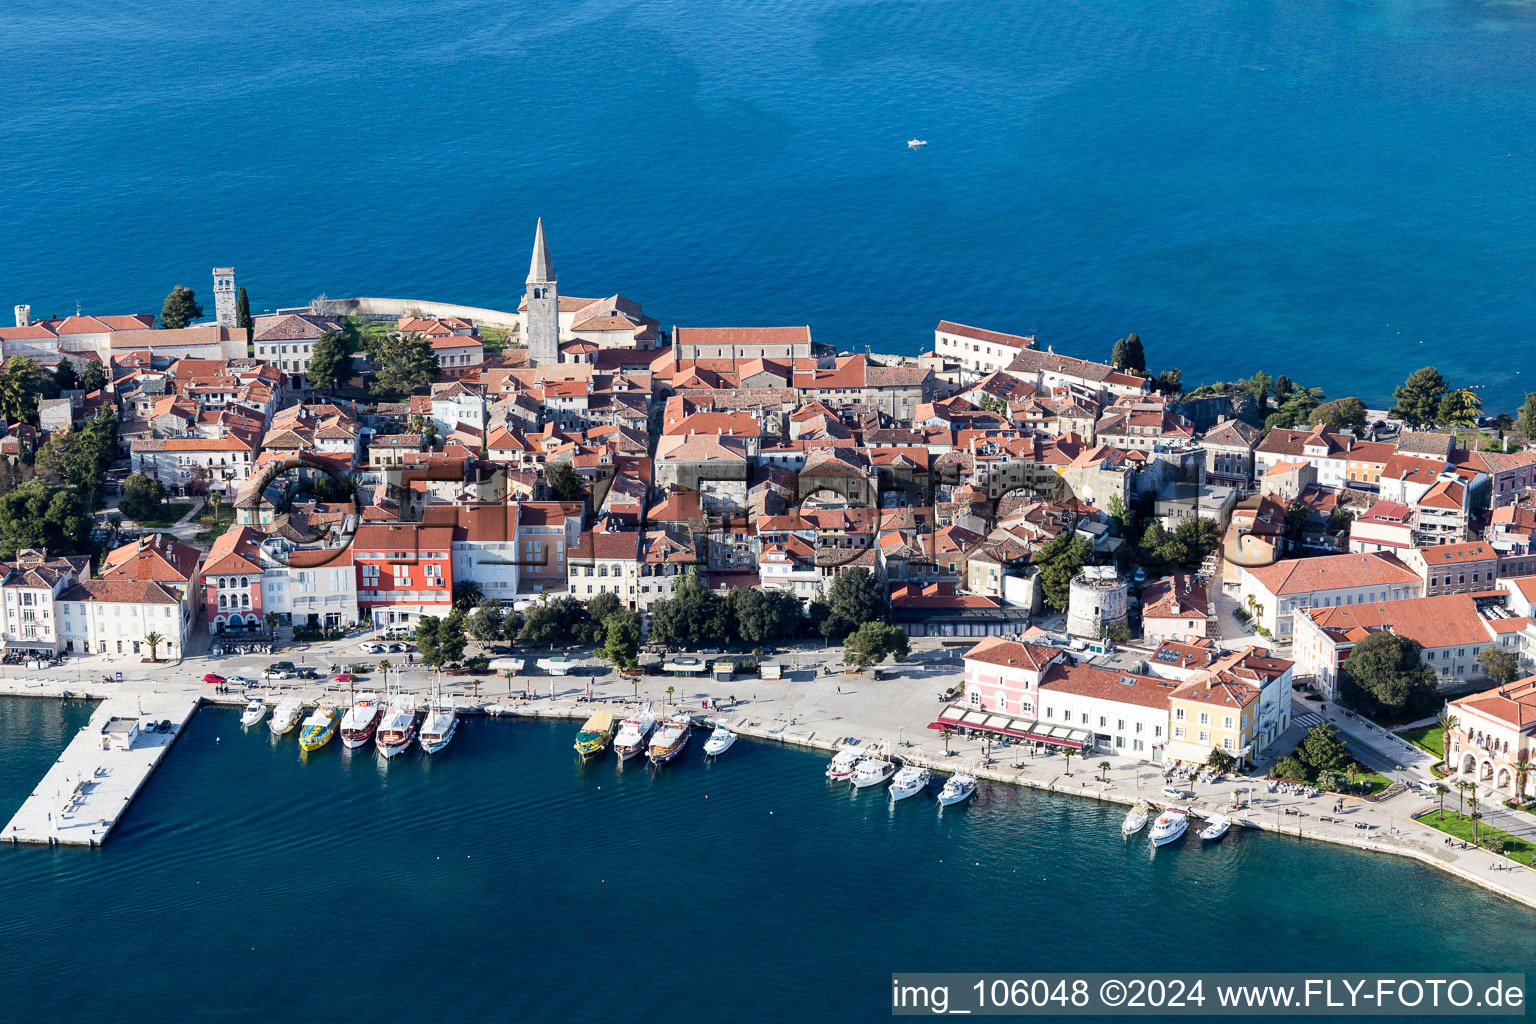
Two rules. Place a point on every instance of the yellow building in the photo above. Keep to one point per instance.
(1214, 710)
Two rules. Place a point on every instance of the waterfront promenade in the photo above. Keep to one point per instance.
(815, 709)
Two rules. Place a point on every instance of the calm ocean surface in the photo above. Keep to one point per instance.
(1309, 188)
(506, 882)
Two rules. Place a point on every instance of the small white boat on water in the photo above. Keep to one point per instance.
(1216, 828)
(441, 723)
(254, 712)
(1170, 825)
(916, 143)
(398, 727)
(285, 716)
(957, 789)
(910, 781)
(633, 733)
(1135, 819)
(872, 771)
(844, 762)
(719, 741)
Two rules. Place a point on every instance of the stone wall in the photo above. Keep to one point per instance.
(412, 307)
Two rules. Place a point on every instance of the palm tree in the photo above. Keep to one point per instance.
(1476, 816)
(1463, 787)
(154, 640)
(1446, 721)
(383, 664)
(1522, 771)
(1104, 772)
(1068, 752)
(946, 733)
(466, 594)
(671, 690)
(272, 621)
(1440, 791)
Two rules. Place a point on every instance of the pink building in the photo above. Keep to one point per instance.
(1004, 675)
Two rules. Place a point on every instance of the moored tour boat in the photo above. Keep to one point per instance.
(1135, 819)
(634, 732)
(909, 781)
(595, 735)
(957, 788)
(872, 771)
(254, 712)
(285, 716)
(1216, 828)
(1170, 825)
(719, 741)
(319, 727)
(397, 728)
(361, 720)
(844, 762)
(441, 723)
(670, 739)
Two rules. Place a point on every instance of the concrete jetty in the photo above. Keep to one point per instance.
(84, 794)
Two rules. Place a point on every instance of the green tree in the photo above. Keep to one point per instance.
(1459, 408)
(1124, 518)
(485, 624)
(553, 620)
(1170, 382)
(154, 640)
(403, 365)
(1528, 417)
(563, 482)
(1283, 388)
(854, 598)
(141, 497)
(1061, 558)
(38, 515)
(440, 641)
(65, 377)
(328, 362)
(765, 616)
(243, 311)
(872, 643)
(466, 594)
(694, 616)
(1259, 386)
(1128, 354)
(1322, 749)
(1291, 767)
(92, 378)
(21, 384)
(1384, 674)
(1341, 412)
(1153, 540)
(1500, 665)
(1220, 760)
(1418, 398)
(180, 308)
(1192, 539)
(621, 641)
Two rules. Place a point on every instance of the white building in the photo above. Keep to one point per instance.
(976, 349)
(185, 465)
(1273, 594)
(1127, 714)
(118, 616)
(31, 585)
(322, 588)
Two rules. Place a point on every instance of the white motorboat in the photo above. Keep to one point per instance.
(1170, 825)
(957, 789)
(254, 712)
(441, 723)
(844, 762)
(633, 733)
(909, 781)
(1135, 819)
(916, 143)
(1216, 828)
(719, 741)
(872, 771)
(361, 721)
(670, 738)
(398, 727)
(285, 716)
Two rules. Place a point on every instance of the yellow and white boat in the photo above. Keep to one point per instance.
(595, 735)
(319, 727)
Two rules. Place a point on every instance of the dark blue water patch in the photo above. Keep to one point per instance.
(1341, 192)
(504, 880)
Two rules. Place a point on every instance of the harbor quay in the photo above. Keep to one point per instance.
(812, 707)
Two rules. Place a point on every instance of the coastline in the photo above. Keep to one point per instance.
(765, 731)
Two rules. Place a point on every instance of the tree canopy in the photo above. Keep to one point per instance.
(440, 641)
(22, 383)
(180, 308)
(1459, 408)
(402, 365)
(872, 643)
(328, 362)
(563, 482)
(1128, 354)
(854, 598)
(765, 616)
(36, 514)
(621, 640)
(1501, 666)
(243, 311)
(1384, 674)
(485, 624)
(1058, 560)
(93, 377)
(694, 616)
(1418, 398)
(551, 621)
(1341, 412)
(141, 497)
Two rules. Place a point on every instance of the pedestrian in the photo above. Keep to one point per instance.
(839, 689)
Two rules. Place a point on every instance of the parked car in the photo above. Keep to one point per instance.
(345, 677)
(1174, 793)
(213, 679)
(399, 648)
(282, 666)
(307, 673)
(501, 649)
(375, 648)
(240, 681)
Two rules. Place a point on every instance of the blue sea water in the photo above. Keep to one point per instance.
(1339, 190)
(504, 881)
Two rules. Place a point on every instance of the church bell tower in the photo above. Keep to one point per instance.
(543, 299)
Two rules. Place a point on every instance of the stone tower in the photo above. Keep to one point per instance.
(224, 296)
(23, 316)
(543, 316)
